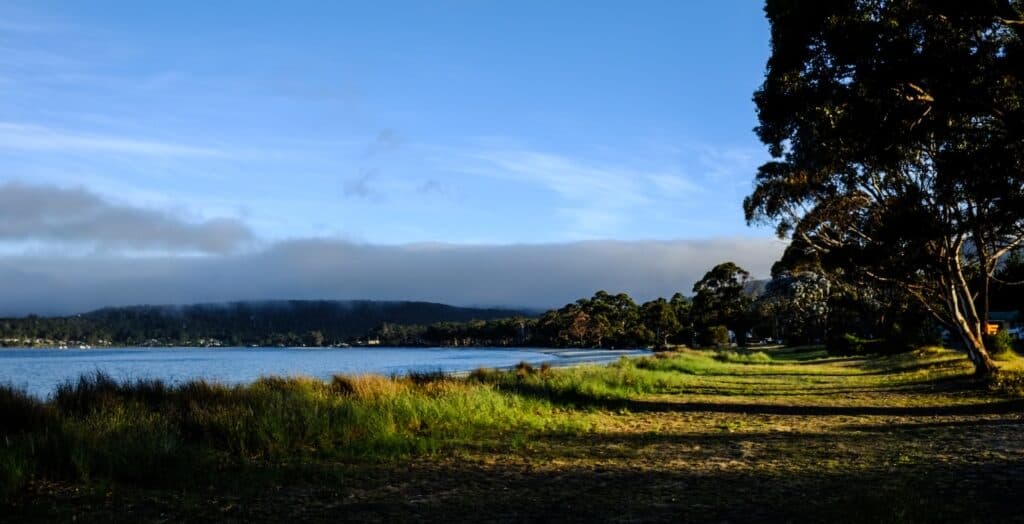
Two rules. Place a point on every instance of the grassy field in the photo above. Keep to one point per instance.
(778, 435)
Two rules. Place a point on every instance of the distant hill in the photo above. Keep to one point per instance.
(291, 322)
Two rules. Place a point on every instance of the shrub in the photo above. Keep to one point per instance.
(15, 467)
(428, 377)
(717, 336)
(1000, 343)
(481, 374)
(847, 345)
(20, 413)
(524, 369)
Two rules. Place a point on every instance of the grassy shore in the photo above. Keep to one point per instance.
(785, 434)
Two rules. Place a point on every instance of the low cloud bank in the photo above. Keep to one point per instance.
(79, 218)
(533, 276)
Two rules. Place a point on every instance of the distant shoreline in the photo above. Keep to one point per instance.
(49, 367)
(561, 352)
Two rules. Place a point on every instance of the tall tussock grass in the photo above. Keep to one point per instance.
(148, 432)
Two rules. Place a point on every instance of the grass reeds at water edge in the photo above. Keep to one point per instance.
(147, 432)
(150, 433)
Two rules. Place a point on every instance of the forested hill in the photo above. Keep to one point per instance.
(291, 322)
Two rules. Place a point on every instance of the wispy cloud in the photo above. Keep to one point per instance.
(430, 186)
(31, 137)
(13, 20)
(727, 164)
(570, 178)
(26, 59)
(386, 140)
(361, 185)
(8, 26)
(598, 197)
(674, 185)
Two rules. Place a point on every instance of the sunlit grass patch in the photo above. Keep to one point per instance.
(147, 432)
(1010, 378)
(749, 357)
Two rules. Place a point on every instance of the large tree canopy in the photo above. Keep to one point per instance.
(897, 135)
(720, 299)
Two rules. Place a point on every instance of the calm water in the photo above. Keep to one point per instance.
(39, 371)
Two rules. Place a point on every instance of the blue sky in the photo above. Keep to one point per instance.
(394, 122)
(603, 144)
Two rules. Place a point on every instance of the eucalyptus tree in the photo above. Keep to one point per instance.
(720, 299)
(683, 308)
(896, 129)
(797, 302)
(661, 318)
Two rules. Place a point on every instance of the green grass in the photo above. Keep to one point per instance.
(148, 432)
(771, 419)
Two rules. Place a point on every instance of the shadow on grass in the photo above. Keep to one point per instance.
(946, 424)
(870, 370)
(811, 391)
(990, 408)
(578, 399)
(502, 492)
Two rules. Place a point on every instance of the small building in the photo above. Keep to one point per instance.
(1009, 321)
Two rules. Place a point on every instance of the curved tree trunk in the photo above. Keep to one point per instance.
(976, 351)
(964, 314)
(971, 327)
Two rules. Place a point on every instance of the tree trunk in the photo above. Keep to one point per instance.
(983, 364)
(966, 320)
(974, 343)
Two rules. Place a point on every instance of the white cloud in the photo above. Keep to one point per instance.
(598, 200)
(539, 275)
(729, 163)
(30, 137)
(570, 178)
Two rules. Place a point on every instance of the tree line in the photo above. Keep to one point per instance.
(270, 323)
(801, 303)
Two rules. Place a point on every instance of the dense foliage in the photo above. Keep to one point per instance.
(897, 131)
(289, 323)
(602, 321)
(721, 300)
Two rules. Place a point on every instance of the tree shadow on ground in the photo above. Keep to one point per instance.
(453, 491)
(855, 438)
(945, 424)
(580, 399)
(989, 408)
(946, 384)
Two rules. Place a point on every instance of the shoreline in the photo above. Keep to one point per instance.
(50, 367)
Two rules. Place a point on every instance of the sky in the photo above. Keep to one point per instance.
(410, 137)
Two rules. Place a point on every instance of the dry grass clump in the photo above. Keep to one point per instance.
(369, 387)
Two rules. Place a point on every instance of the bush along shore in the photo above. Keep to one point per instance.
(736, 419)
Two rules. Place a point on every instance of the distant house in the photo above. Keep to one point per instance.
(1009, 321)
